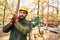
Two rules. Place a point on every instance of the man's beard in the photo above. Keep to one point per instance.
(22, 17)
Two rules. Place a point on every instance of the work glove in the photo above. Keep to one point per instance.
(14, 19)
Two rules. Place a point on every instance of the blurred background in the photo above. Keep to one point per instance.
(47, 10)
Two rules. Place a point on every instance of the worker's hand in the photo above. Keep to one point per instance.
(14, 19)
(33, 22)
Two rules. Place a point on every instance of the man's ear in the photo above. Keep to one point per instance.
(26, 14)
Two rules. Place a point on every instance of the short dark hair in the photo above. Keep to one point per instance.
(23, 10)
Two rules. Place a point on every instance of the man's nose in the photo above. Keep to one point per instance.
(21, 14)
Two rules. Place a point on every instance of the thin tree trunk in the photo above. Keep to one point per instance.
(4, 13)
(17, 8)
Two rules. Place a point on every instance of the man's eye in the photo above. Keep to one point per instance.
(20, 12)
(24, 12)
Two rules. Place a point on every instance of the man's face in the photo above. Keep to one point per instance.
(22, 14)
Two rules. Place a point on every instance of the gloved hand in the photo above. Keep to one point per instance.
(14, 19)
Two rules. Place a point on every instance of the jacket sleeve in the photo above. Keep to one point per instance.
(7, 28)
(23, 29)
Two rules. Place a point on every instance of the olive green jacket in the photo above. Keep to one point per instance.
(18, 30)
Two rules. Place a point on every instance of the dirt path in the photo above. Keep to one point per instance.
(3, 36)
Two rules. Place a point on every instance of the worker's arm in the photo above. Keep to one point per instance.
(23, 29)
(7, 28)
(9, 25)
